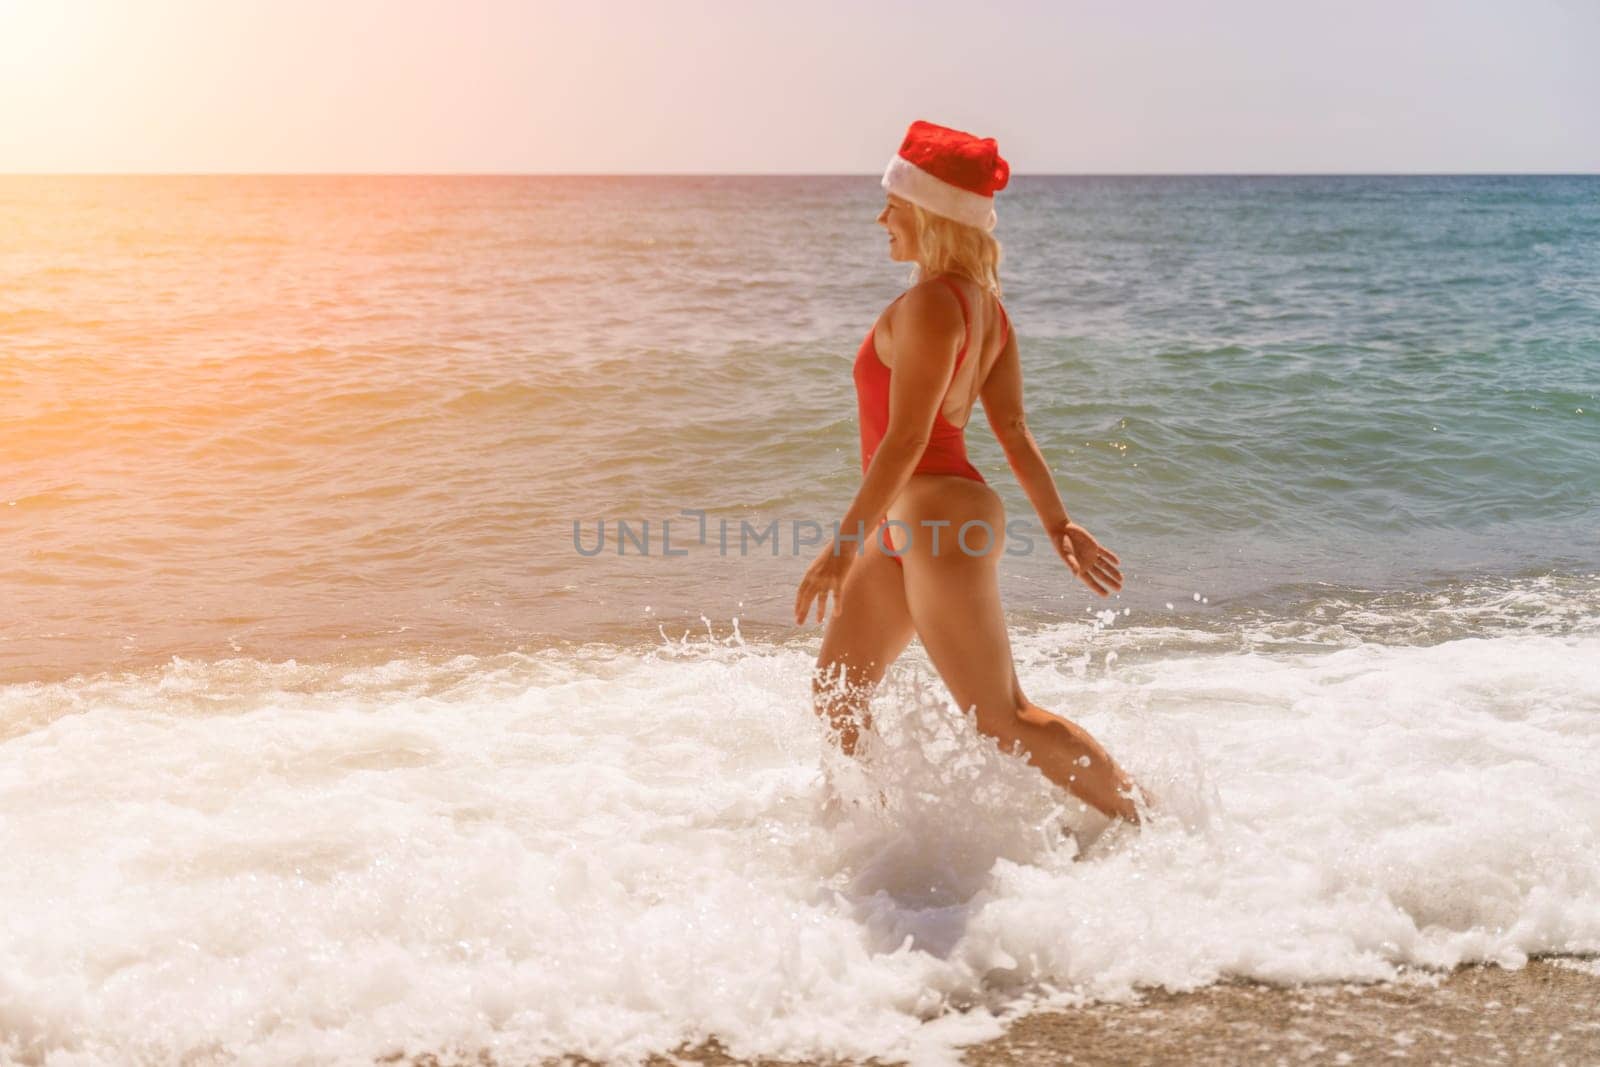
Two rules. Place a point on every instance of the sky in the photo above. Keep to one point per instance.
(717, 86)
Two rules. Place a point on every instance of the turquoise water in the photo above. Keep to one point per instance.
(320, 740)
(302, 416)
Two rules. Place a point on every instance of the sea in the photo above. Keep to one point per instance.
(396, 575)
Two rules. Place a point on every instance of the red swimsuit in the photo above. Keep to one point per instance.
(946, 452)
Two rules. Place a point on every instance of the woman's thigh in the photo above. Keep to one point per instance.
(874, 625)
(953, 591)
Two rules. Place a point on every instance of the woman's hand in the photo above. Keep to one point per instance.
(1096, 565)
(824, 576)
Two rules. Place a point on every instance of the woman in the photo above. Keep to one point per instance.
(933, 529)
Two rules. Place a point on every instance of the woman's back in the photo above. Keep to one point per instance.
(989, 329)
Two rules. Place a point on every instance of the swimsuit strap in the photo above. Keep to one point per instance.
(966, 317)
(1005, 319)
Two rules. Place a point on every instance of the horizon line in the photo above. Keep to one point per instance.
(785, 174)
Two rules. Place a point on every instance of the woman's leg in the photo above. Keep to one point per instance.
(954, 600)
(861, 642)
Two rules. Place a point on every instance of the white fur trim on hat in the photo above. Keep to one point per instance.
(905, 179)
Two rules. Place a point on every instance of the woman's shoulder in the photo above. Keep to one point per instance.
(932, 304)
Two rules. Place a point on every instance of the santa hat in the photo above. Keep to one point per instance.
(949, 173)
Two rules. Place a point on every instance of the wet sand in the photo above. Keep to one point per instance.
(1547, 1012)
(1544, 1013)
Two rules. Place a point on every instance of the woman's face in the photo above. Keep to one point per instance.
(898, 219)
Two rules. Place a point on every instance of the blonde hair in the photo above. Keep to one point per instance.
(945, 246)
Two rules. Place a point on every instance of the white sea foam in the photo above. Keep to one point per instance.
(609, 852)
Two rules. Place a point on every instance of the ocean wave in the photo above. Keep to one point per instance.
(591, 848)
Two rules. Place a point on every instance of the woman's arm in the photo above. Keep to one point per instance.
(927, 328)
(1002, 404)
(1096, 565)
